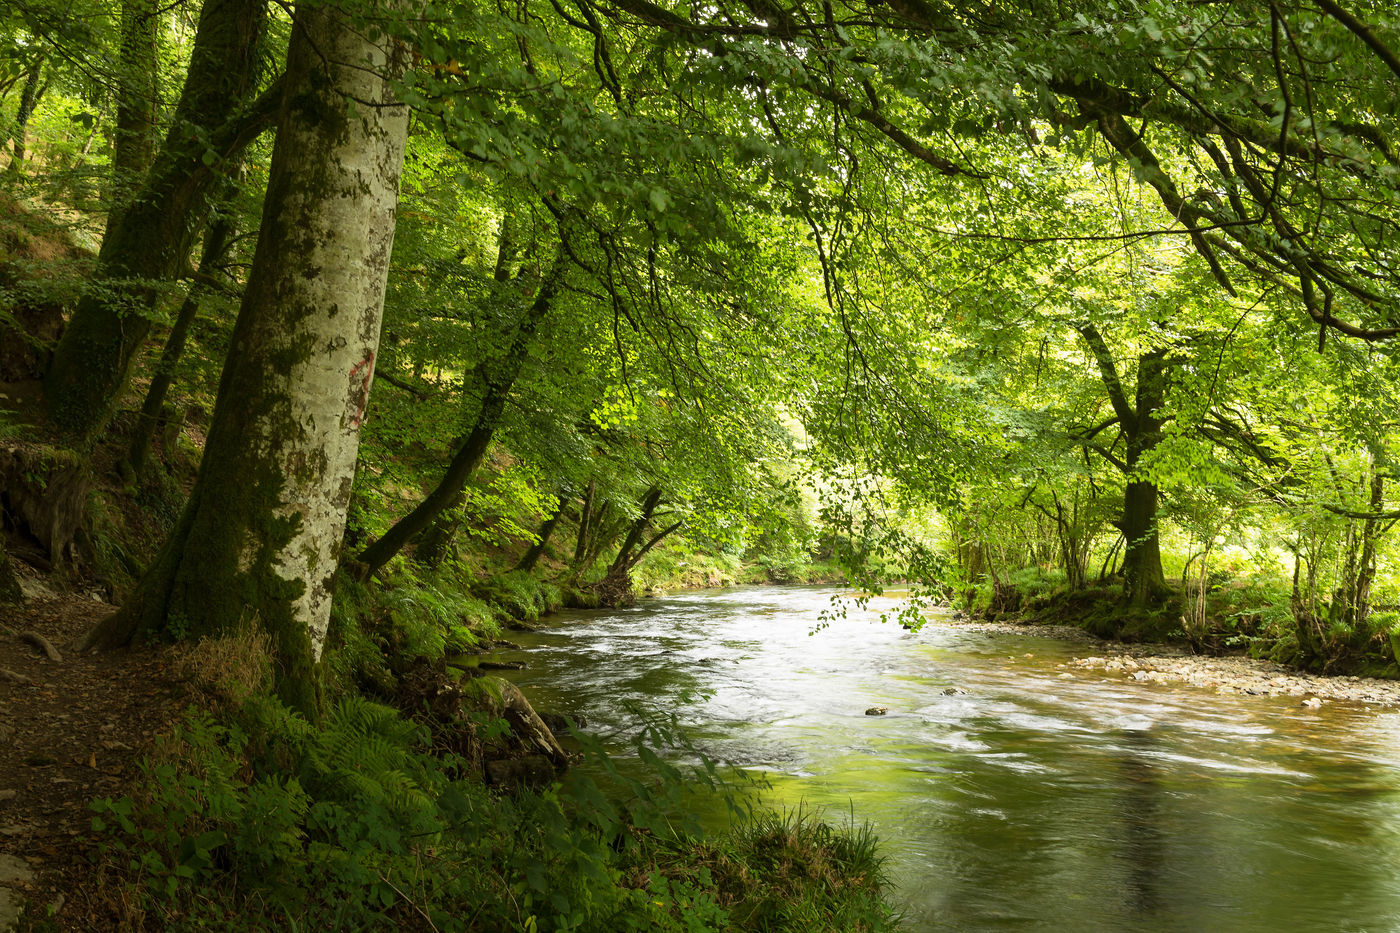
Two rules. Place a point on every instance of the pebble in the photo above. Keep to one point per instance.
(1249, 676)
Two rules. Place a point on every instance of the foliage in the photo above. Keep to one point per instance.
(358, 823)
(401, 619)
(521, 596)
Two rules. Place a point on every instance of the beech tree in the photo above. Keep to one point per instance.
(259, 538)
(148, 239)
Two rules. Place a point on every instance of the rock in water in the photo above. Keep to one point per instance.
(877, 711)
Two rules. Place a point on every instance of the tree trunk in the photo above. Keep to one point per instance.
(133, 146)
(497, 377)
(1143, 581)
(28, 100)
(531, 557)
(634, 534)
(432, 545)
(615, 589)
(1366, 572)
(1141, 422)
(216, 241)
(258, 540)
(147, 242)
(585, 523)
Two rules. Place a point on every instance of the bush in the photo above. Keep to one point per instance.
(271, 822)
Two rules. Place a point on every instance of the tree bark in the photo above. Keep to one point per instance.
(615, 589)
(531, 557)
(147, 241)
(1143, 581)
(134, 144)
(638, 528)
(1141, 423)
(258, 540)
(585, 522)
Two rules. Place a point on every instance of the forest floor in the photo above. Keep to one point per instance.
(71, 731)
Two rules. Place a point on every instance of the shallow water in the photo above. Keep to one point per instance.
(1030, 801)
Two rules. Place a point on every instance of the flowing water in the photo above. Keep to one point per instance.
(1006, 796)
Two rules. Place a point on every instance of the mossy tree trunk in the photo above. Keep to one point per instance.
(133, 144)
(34, 88)
(259, 538)
(148, 239)
(536, 551)
(615, 589)
(1143, 581)
(585, 522)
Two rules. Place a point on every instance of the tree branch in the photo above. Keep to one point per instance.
(1116, 396)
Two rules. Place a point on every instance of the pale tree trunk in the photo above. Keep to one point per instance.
(258, 541)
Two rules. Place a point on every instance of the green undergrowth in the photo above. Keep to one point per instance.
(678, 566)
(408, 615)
(261, 820)
(803, 573)
(521, 596)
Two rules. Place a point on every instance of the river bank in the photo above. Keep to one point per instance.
(1115, 802)
(1168, 664)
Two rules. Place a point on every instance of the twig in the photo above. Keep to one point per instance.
(421, 912)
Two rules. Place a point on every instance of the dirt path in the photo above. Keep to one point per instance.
(70, 731)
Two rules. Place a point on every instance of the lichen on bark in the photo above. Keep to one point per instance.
(259, 539)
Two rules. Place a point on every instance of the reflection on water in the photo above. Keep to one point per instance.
(1007, 795)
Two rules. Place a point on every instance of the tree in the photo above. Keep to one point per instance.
(494, 377)
(148, 240)
(1139, 422)
(259, 538)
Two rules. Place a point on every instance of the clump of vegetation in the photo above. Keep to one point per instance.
(521, 596)
(228, 671)
(266, 820)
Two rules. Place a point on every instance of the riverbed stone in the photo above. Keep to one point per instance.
(1235, 675)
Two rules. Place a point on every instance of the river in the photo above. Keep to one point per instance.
(1007, 795)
